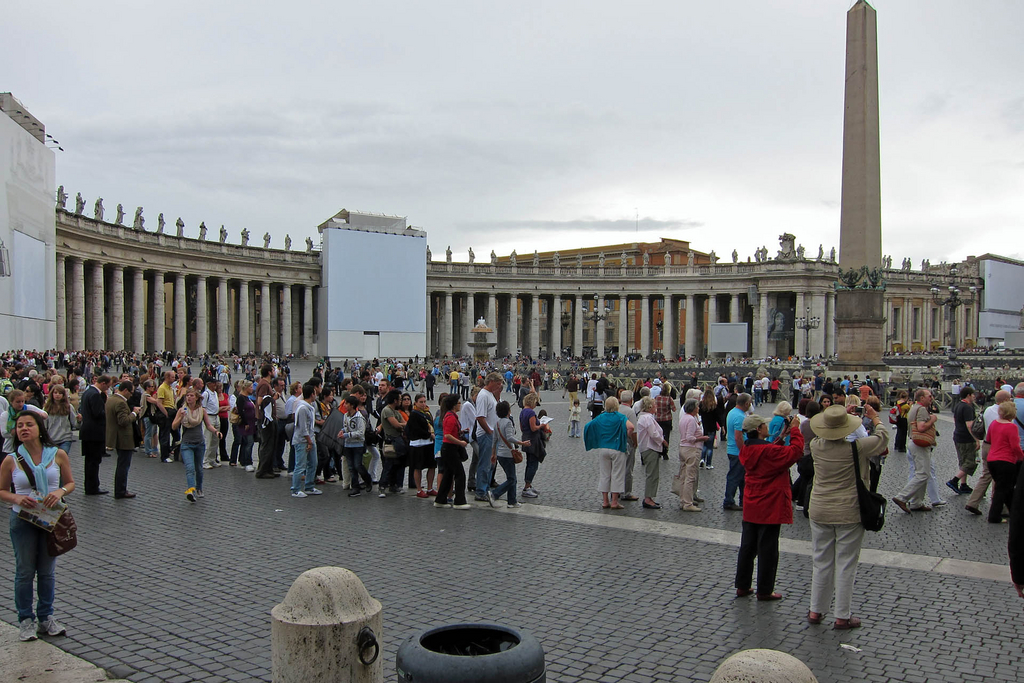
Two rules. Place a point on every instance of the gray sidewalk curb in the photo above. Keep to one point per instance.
(42, 662)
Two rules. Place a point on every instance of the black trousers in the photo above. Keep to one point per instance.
(93, 452)
(124, 463)
(268, 442)
(759, 541)
(454, 476)
(1004, 476)
(224, 424)
(391, 473)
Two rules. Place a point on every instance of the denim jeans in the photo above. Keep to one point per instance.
(734, 480)
(509, 467)
(532, 463)
(484, 468)
(192, 456)
(65, 446)
(304, 474)
(354, 458)
(757, 397)
(152, 437)
(707, 451)
(244, 451)
(31, 561)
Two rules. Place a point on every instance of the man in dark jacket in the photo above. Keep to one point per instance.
(120, 436)
(92, 408)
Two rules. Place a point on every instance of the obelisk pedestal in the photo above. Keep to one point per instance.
(860, 314)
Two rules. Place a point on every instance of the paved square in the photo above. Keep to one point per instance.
(161, 589)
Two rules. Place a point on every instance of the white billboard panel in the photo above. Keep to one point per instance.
(727, 338)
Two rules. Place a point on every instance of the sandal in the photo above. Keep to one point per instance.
(630, 497)
(852, 622)
(605, 506)
(814, 619)
(770, 596)
(618, 507)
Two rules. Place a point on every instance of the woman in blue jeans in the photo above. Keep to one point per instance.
(709, 419)
(51, 471)
(504, 441)
(191, 417)
(245, 431)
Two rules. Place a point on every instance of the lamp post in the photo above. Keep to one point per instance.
(807, 323)
(596, 317)
(566, 319)
(950, 297)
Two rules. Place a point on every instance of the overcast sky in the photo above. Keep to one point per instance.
(532, 125)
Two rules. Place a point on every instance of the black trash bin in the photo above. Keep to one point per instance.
(471, 653)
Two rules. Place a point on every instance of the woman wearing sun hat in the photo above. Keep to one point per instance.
(836, 529)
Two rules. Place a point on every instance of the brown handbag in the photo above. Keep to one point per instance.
(64, 535)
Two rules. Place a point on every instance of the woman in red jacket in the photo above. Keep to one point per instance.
(767, 503)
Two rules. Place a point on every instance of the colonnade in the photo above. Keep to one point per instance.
(670, 323)
(118, 307)
(916, 323)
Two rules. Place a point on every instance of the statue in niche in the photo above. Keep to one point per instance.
(266, 240)
(120, 214)
(180, 224)
(513, 258)
(97, 209)
(735, 256)
(647, 259)
(536, 259)
(139, 223)
(160, 224)
(832, 255)
(309, 245)
(62, 197)
(287, 242)
(821, 252)
(623, 259)
(202, 231)
(494, 258)
(223, 234)
(448, 254)
(79, 204)
(600, 259)
(800, 252)
(245, 237)
(429, 255)
(472, 256)
(689, 260)
(557, 259)
(713, 256)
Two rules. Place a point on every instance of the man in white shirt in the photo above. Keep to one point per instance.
(656, 388)
(467, 417)
(210, 400)
(486, 421)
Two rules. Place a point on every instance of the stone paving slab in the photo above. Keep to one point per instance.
(42, 661)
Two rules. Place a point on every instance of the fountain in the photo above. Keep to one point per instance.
(481, 347)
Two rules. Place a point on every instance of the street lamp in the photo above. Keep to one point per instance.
(566, 322)
(807, 323)
(952, 301)
(596, 317)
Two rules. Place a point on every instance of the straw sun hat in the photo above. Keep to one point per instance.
(834, 423)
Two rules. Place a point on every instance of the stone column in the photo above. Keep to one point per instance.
(645, 326)
(286, 319)
(669, 347)
(223, 339)
(307, 319)
(513, 326)
(602, 328)
(623, 325)
(244, 333)
(555, 326)
(265, 345)
(446, 341)
(159, 312)
(202, 321)
(179, 313)
(535, 324)
(734, 308)
(577, 325)
(98, 313)
(907, 335)
(116, 311)
(800, 346)
(817, 346)
(468, 323)
(830, 323)
(712, 319)
(691, 326)
(62, 309)
(762, 325)
(491, 316)
(138, 311)
(77, 304)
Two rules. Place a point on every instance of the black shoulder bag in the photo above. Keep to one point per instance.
(872, 505)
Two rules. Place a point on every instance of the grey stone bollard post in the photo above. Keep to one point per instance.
(764, 666)
(328, 629)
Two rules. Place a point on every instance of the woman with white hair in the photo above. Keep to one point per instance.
(650, 442)
(834, 509)
(606, 435)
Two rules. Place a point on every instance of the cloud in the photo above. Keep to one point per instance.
(587, 225)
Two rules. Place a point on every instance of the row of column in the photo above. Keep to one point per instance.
(517, 321)
(126, 308)
(900, 328)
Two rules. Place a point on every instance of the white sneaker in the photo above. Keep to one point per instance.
(314, 492)
(51, 627)
(516, 504)
(217, 463)
(207, 466)
(299, 494)
(27, 629)
(250, 468)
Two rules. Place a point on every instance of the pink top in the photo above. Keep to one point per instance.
(1005, 442)
(649, 434)
(689, 431)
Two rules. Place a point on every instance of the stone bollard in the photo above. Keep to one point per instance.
(328, 629)
(763, 666)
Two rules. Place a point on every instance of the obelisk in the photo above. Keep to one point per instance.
(860, 320)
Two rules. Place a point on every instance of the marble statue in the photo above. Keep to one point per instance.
(266, 240)
(925, 265)
(832, 255)
(429, 255)
(800, 252)
(139, 223)
(160, 224)
(600, 259)
(557, 258)
(448, 254)
(202, 231)
(757, 255)
(472, 256)
(309, 245)
(79, 204)
(513, 258)
(647, 259)
(713, 256)
(480, 322)
(787, 244)
(821, 252)
(62, 197)
(579, 260)
(735, 256)
(223, 234)
(180, 224)
(623, 259)
(287, 242)
(120, 214)
(536, 259)
(668, 259)
(97, 209)
(494, 258)
(245, 237)
(689, 259)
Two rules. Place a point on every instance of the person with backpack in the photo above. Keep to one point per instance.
(963, 440)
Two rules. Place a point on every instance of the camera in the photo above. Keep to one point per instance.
(859, 410)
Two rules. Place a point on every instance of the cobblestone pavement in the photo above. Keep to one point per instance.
(161, 589)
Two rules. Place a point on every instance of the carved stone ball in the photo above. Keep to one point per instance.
(763, 666)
